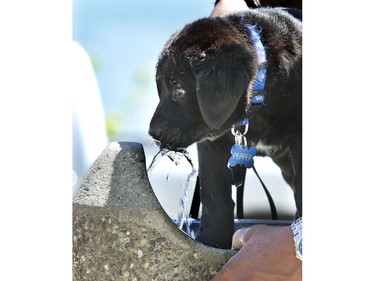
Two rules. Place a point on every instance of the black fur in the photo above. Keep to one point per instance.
(296, 4)
(204, 77)
(249, 3)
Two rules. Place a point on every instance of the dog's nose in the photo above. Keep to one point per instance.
(155, 133)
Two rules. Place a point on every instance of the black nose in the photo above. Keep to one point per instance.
(155, 133)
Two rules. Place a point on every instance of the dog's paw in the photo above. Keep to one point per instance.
(242, 155)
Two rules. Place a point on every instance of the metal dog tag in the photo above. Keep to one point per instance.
(242, 155)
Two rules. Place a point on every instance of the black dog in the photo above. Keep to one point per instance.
(205, 78)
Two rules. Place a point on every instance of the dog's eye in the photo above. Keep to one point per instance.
(179, 92)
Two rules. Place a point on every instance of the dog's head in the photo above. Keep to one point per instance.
(203, 76)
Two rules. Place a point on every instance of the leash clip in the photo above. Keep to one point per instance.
(242, 155)
(239, 137)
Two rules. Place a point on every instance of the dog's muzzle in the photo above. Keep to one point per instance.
(170, 139)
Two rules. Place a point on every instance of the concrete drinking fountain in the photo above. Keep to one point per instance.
(121, 232)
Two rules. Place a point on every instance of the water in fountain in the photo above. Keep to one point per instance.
(176, 156)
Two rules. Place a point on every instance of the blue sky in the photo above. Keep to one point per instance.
(124, 39)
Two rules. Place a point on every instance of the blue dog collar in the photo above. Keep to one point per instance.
(260, 80)
(259, 92)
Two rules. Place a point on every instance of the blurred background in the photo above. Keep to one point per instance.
(118, 43)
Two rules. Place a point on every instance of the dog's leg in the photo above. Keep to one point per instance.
(295, 148)
(195, 204)
(217, 221)
(289, 160)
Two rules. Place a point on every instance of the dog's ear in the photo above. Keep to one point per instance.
(221, 80)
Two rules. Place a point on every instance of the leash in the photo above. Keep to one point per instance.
(242, 155)
(269, 197)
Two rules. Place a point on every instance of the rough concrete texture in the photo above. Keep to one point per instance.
(121, 232)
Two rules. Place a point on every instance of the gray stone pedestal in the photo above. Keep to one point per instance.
(121, 232)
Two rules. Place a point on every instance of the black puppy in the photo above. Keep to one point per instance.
(205, 78)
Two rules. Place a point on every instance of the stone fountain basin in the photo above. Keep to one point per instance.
(121, 232)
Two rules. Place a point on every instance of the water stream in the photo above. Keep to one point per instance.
(176, 157)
